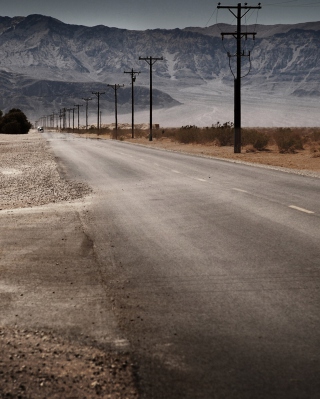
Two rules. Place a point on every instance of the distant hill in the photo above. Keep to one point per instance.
(46, 64)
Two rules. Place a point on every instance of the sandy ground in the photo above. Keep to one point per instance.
(303, 161)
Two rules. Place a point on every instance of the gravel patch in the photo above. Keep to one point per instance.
(29, 175)
(38, 364)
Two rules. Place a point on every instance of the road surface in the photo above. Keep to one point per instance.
(212, 268)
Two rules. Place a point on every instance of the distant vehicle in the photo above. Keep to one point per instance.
(40, 129)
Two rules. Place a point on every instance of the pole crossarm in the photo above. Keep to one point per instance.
(151, 60)
(242, 35)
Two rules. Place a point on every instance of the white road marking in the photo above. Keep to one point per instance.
(241, 191)
(301, 209)
(175, 171)
(201, 180)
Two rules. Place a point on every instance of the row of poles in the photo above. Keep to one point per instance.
(239, 11)
(49, 120)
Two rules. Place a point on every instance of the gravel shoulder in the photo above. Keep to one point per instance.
(58, 335)
(29, 174)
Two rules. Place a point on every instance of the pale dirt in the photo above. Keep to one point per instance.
(37, 362)
(303, 161)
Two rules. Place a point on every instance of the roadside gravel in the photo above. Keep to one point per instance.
(29, 175)
(44, 363)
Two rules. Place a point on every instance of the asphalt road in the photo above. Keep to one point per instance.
(212, 268)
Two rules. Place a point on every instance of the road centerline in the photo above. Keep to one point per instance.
(297, 208)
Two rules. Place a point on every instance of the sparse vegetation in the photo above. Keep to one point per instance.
(288, 141)
(258, 140)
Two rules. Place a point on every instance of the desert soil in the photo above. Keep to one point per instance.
(42, 363)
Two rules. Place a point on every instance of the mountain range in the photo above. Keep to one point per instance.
(46, 64)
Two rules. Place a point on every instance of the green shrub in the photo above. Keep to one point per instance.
(287, 140)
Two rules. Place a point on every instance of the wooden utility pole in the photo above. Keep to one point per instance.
(115, 87)
(98, 94)
(238, 35)
(87, 101)
(151, 61)
(78, 106)
(133, 79)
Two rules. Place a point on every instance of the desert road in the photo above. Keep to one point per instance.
(212, 267)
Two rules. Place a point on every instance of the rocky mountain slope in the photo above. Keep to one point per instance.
(53, 63)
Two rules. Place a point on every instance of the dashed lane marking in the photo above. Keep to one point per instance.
(240, 191)
(175, 171)
(301, 209)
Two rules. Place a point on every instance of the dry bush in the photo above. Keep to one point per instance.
(187, 135)
(315, 150)
(315, 136)
(141, 133)
(258, 140)
(219, 135)
(288, 141)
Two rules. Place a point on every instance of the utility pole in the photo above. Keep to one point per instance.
(72, 118)
(151, 61)
(98, 94)
(78, 106)
(87, 101)
(115, 88)
(238, 35)
(133, 79)
(69, 109)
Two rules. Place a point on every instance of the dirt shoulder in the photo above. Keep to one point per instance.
(58, 335)
(303, 161)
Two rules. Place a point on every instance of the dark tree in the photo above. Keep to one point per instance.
(14, 122)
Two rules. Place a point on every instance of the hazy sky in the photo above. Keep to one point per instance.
(151, 14)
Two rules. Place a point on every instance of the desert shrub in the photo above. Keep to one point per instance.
(187, 135)
(224, 136)
(287, 140)
(15, 122)
(138, 133)
(315, 136)
(257, 139)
